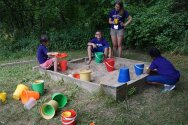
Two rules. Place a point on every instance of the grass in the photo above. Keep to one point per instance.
(151, 107)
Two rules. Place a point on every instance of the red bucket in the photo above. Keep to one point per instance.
(76, 75)
(63, 65)
(110, 62)
(68, 120)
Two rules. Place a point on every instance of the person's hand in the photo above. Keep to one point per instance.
(94, 45)
(52, 53)
(122, 24)
(111, 22)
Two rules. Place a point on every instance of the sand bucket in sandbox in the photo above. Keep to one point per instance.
(139, 68)
(19, 89)
(124, 75)
(85, 75)
(99, 56)
(68, 117)
(26, 95)
(76, 75)
(38, 86)
(60, 99)
(110, 62)
(3, 96)
(63, 65)
(47, 110)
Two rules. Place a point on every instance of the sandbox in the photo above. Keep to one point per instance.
(101, 79)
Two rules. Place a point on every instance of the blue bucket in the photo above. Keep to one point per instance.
(139, 68)
(124, 75)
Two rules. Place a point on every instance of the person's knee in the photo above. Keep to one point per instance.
(119, 45)
(54, 59)
(106, 49)
(89, 47)
(115, 46)
(149, 79)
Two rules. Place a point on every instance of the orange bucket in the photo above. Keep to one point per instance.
(68, 117)
(110, 62)
(76, 75)
(26, 95)
(61, 55)
(63, 65)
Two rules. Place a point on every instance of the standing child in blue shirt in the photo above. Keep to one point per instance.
(42, 55)
(98, 44)
(166, 72)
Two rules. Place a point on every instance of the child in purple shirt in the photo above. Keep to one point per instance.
(98, 44)
(42, 55)
(166, 73)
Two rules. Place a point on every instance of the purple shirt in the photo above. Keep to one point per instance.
(101, 43)
(114, 14)
(165, 68)
(42, 54)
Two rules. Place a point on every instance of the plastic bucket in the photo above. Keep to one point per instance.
(63, 65)
(85, 75)
(139, 68)
(30, 103)
(76, 75)
(47, 110)
(38, 86)
(68, 117)
(99, 56)
(110, 62)
(60, 99)
(124, 75)
(26, 95)
(3, 96)
(61, 55)
(19, 89)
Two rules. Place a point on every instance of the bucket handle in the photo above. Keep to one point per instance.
(67, 123)
(138, 67)
(70, 118)
(97, 56)
(108, 64)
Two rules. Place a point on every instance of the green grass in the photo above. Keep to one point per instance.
(150, 107)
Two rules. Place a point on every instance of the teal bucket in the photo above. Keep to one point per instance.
(99, 56)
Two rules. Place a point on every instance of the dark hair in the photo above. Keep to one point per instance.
(99, 30)
(43, 38)
(154, 52)
(121, 12)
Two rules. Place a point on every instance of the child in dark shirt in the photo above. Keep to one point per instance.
(166, 72)
(98, 44)
(42, 55)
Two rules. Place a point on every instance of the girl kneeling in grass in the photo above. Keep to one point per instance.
(166, 73)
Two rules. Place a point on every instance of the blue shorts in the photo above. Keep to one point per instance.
(161, 79)
(98, 49)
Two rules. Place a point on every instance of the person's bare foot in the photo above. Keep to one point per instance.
(88, 62)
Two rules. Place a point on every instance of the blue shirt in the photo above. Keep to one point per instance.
(100, 43)
(42, 53)
(165, 68)
(114, 14)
